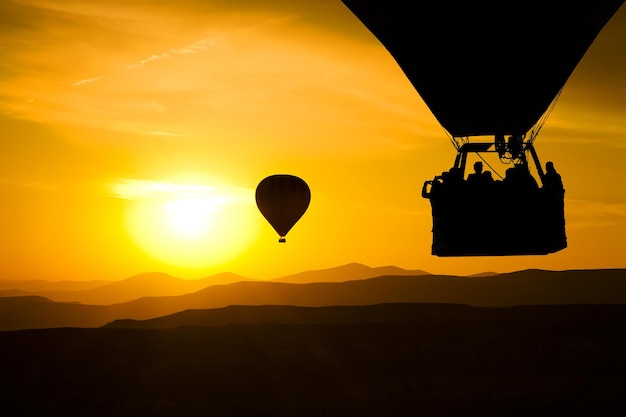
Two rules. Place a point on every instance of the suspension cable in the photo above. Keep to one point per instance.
(544, 118)
(489, 165)
(451, 139)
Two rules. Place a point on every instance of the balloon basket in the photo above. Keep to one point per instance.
(497, 218)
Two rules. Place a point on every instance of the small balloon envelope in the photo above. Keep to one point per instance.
(282, 199)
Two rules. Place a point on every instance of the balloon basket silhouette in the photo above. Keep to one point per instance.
(282, 199)
(496, 218)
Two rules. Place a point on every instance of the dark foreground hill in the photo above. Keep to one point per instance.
(520, 288)
(379, 313)
(528, 361)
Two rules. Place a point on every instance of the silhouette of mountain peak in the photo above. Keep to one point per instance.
(150, 278)
(348, 272)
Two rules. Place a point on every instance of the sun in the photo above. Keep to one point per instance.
(190, 225)
(190, 218)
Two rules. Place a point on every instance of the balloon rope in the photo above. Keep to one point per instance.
(489, 165)
(451, 139)
(544, 118)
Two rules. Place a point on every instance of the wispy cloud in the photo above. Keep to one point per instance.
(87, 81)
(132, 189)
(190, 49)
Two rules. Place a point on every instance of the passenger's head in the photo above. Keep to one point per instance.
(550, 166)
(478, 167)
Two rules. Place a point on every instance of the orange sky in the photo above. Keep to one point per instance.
(136, 132)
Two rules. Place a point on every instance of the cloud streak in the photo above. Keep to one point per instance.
(193, 48)
(87, 81)
(190, 49)
(132, 189)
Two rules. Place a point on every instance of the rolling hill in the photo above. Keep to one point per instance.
(152, 284)
(377, 313)
(155, 284)
(399, 360)
(531, 287)
(33, 285)
(349, 272)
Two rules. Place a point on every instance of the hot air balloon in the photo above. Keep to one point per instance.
(282, 199)
(490, 71)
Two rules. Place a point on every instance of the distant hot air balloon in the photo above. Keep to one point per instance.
(282, 199)
(489, 68)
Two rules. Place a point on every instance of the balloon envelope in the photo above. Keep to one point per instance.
(282, 199)
(486, 67)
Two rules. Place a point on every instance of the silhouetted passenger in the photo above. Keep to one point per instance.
(528, 180)
(552, 180)
(455, 174)
(476, 175)
(446, 198)
(519, 179)
(453, 180)
(479, 179)
(553, 194)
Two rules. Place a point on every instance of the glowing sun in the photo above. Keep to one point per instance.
(192, 226)
(191, 217)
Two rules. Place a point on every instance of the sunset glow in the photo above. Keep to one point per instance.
(135, 134)
(188, 225)
(312, 207)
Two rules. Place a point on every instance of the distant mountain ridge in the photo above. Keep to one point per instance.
(150, 284)
(349, 272)
(157, 284)
(530, 287)
(44, 285)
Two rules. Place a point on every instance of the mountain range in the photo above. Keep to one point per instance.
(530, 287)
(156, 284)
(151, 284)
(351, 340)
